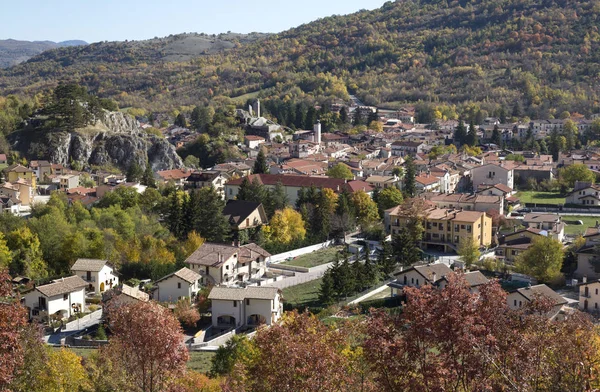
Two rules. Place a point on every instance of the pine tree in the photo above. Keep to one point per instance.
(134, 173)
(405, 249)
(260, 165)
(300, 116)
(496, 137)
(370, 275)
(358, 117)
(174, 217)
(210, 223)
(252, 191)
(358, 276)
(409, 178)
(517, 110)
(180, 121)
(472, 135)
(386, 263)
(311, 118)
(460, 134)
(344, 115)
(373, 116)
(346, 279)
(327, 293)
(148, 176)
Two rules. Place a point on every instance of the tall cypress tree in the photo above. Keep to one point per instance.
(369, 271)
(386, 262)
(148, 176)
(409, 178)
(344, 115)
(174, 217)
(311, 117)
(260, 165)
(327, 293)
(210, 222)
(460, 133)
(405, 249)
(496, 137)
(472, 135)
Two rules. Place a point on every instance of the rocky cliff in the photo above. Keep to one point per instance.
(117, 140)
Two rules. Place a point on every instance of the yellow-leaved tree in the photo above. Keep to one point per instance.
(64, 372)
(286, 227)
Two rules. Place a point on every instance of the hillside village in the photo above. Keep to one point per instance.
(465, 195)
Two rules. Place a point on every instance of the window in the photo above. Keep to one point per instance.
(417, 282)
(515, 302)
(596, 291)
(520, 304)
(230, 191)
(412, 280)
(235, 304)
(462, 227)
(247, 301)
(178, 285)
(226, 267)
(66, 297)
(596, 305)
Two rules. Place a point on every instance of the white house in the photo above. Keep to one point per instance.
(248, 307)
(63, 298)
(180, 284)
(492, 174)
(432, 274)
(518, 298)
(99, 274)
(228, 264)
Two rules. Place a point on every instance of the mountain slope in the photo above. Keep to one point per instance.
(13, 52)
(543, 53)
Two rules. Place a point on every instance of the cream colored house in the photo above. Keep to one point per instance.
(521, 297)
(243, 214)
(492, 174)
(228, 264)
(589, 296)
(125, 295)
(62, 298)
(432, 274)
(98, 274)
(245, 307)
(183, 283)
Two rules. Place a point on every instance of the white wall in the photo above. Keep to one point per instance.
(593, 297)
(297, 252)
(168, 290)
(103, 276)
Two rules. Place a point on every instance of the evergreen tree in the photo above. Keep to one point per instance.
(373, 116)
(409, 178)
(260, 165)
(358, 275)
(386, 263)
(472, 135)
(460, 133)
(180, 121)
(517, 110)
(148, 176)
(346, 279)
(134, 173)
(301, 199)
(358, 117)
(311, 117)
(345, 216)
(344, 115)
(191, 213)
(300, 116)
(370, 275)
(174, 216)
(502, 115)
(276, 200)
(496, 136)
(327, 293)
(405, 249)
(252, 191)
(210, 222)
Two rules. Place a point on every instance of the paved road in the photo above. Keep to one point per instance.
(74, 327)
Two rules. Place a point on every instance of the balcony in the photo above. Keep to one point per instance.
(90, 280)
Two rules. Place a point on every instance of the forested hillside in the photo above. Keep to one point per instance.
(493, 52)
(13, 52)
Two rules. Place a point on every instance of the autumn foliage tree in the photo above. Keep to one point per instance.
(300, 354)
(147, 343)
(12, 322)
(453, 339)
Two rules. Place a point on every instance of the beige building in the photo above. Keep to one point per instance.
(445, 228)
(228, 264)
(492, 174)
(243, 214)
(98, 274)
(245, 307)
(432, 274)
(181, 284)
(589, 296)
(521, 297)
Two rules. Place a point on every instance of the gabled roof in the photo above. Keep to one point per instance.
(185, 273)
(427, 271)
(17, 168)
(215, 255)
(237, 211)
(531, 292)
(135, 293)
(475, 278)
(239, 294)
(174, 174)
(62, 286)
(93, 265)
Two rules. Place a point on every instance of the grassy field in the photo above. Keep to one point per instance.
(315, 258)
(245, 97)
(540, 197)
(199, 360)
(588, 221)
(305, 294)
(380, 295)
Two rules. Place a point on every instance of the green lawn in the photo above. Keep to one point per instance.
(199, 360)
(315, 258)
(305, 294)
(540, 197)
(380, 295)
(588, 221)
(245, 97)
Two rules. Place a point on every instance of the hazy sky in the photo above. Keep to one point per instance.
(111, 20)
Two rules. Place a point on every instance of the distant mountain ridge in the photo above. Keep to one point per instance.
(13, 52)
(541, 55)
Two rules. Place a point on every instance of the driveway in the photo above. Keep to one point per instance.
(74, 327)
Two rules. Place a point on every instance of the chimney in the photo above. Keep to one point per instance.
(433, 277)
(584, 279)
